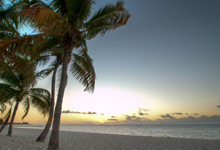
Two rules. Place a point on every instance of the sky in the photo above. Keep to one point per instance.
(163, 66)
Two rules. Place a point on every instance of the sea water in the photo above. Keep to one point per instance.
(194, 131)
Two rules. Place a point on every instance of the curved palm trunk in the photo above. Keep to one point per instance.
(54, 138)
(13, 118)
(43, 135)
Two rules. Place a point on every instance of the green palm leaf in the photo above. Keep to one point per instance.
(59, 6)
(44, 73)
(7, 93)
(41, 103)
(78, 10)
(2, 107)
(10, 78)
(26, 103)
(24, 44)
(83, 70)
(7, 30)
(107, 18)
(45, 19)
(12, 71)
(40, 91)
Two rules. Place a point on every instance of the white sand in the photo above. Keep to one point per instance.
(24, 139)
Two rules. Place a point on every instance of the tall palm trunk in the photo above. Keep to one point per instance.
(54, 138)
(12, 118)
(43, 135)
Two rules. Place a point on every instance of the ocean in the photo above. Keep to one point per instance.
(194, 131)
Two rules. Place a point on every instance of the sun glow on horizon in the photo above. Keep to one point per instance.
(109, 101)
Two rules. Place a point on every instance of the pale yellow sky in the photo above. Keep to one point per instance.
(115, 105)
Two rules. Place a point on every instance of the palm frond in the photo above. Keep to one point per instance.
(24, 45)
(6, 34)
(83, 70)
(35, 2)
(60, 6)
(52, 42)
(79, 42)
(9, 13)
(42, 60)
(40, 92)
(8, 114)
(44, 19)
(26, 103)
(48, 49)
(7, 28)
(107, 18)
(4, 104)
(41, 103)
(2, 107)
(44, 73)
(9, 77)
(78, 10)
(7, 93)
(2, 4)
(15, 68)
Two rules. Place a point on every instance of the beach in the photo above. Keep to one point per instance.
(24, 139)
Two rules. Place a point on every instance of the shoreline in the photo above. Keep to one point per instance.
(24, 138)
(181, 131)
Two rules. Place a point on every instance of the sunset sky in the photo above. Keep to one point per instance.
(163, 66)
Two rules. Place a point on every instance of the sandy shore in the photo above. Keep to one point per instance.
(24, 139)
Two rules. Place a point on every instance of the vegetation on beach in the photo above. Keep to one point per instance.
(64, 26)
(18, 87)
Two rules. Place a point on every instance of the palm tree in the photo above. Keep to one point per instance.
(81, 63)
(8, 114)
(50, 45)
(44, 133)
(69, 20)
(8, 29)
(18, 86)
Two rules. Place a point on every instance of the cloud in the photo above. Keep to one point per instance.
(203, 119)
(218, 106)
(167, 116)
(112, 120)
(129, 118)
(90, 113)
(190, 120)
(142, 109)
(195, 114)
(140, 112)
(186, 114)
(134, 118)
(177, 113)
(76, 112)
